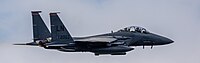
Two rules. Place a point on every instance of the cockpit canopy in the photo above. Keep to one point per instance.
(134, 29)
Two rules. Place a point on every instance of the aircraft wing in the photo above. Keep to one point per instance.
(106, 39)
(96, 39)
(100, 41)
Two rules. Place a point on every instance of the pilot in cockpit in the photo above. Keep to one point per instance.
(137, 29)
(134, 29)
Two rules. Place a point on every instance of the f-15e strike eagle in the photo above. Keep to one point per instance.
(114, 43)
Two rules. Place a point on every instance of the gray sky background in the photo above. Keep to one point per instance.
(176, 19)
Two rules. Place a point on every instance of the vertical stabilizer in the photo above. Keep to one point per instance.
(59, 32)
(40, 30)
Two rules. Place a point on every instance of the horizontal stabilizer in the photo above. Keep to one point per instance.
(31, 44)
(19, 44)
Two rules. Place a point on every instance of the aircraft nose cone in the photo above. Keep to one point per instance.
(160, 40)
(168, 41)
(165, 40)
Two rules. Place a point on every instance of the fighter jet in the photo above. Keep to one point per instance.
(114, 43)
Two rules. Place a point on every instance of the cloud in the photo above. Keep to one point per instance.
(176, 19)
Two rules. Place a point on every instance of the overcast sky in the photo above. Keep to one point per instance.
(175, 19)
